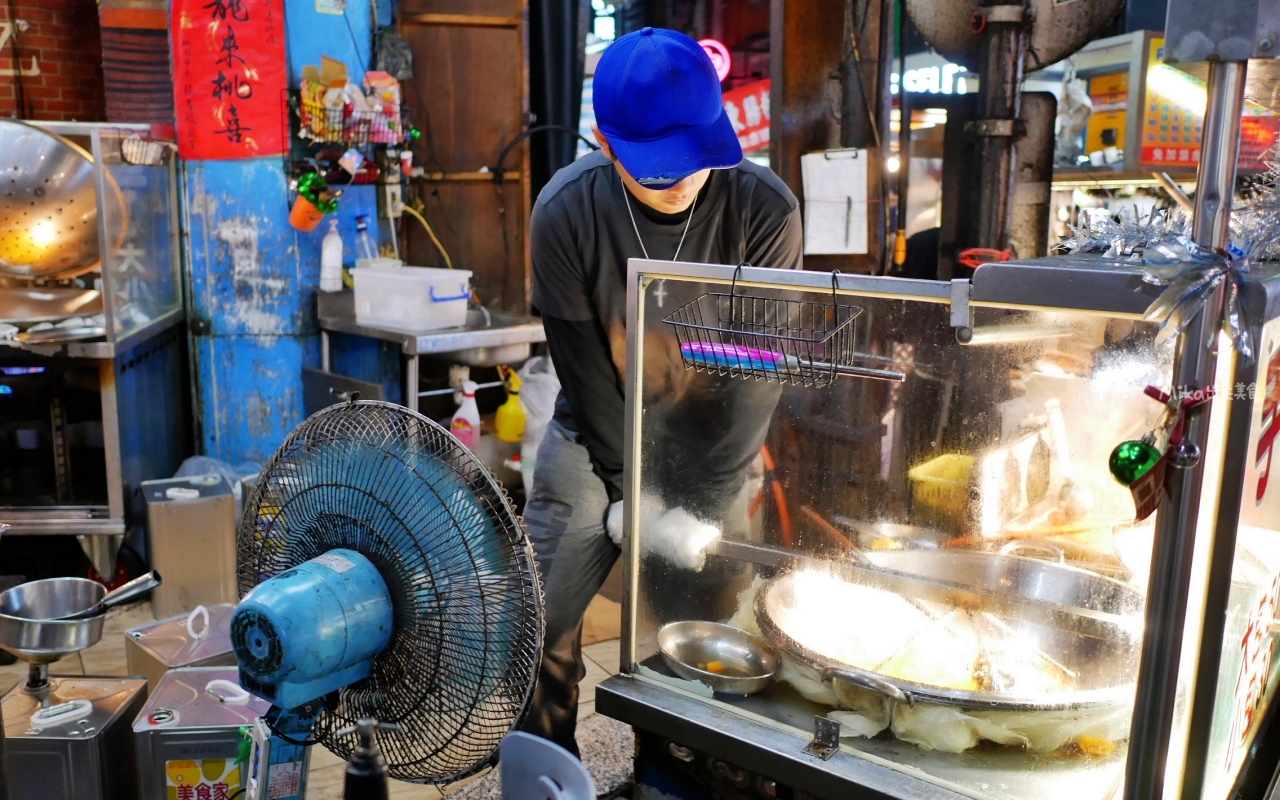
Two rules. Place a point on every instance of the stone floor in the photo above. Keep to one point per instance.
(600, 647)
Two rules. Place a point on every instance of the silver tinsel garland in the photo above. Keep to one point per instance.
(1161, 241)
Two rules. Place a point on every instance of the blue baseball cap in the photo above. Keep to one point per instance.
(657, 99)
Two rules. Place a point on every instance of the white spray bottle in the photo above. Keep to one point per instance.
(331, 260)
(466, 423)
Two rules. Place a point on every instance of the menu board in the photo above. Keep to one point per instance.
(1173, 119)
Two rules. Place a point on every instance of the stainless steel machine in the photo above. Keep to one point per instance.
(972, 623)
(92, 370)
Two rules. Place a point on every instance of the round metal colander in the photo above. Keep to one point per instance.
(48, 204)
(396, 487)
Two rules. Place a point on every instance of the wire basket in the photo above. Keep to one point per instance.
(322, 124)
(143, 151)
(796, 342)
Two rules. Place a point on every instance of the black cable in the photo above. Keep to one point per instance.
(856, 52)
(431, 141)
(289, 740)
(502, 158)
(355, 44)
(904, 135)
(499, 175)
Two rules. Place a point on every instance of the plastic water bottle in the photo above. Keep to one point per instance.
(466, 423)
(331, 260)
(365, 248)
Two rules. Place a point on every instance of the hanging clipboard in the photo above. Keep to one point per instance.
(835, 202)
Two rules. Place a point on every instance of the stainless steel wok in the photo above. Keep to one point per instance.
(1090, 629)
(1032, 579)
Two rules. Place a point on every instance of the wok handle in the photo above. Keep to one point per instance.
(1013, 548)
(871, 684)
(130, 590)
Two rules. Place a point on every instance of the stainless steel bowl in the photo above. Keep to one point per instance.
(749, 661)
(26, 627)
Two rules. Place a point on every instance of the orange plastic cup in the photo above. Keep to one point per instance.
(304, 215)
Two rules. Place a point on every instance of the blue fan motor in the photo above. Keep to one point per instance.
(313, 629)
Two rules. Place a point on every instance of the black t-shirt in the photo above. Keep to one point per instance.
(581, 238)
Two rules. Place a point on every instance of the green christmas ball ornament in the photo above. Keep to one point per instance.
(1131, 460)
(414, 134)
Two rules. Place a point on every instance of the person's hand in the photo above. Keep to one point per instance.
(681, 538)
(613, 522)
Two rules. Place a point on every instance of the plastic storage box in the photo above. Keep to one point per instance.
(412, 299)
(192, 525)
(199, 639)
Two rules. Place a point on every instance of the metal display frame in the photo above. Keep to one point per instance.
(141, 383)
(1087, 284)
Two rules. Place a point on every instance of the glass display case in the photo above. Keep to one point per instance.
(874, 539)
(140, 269)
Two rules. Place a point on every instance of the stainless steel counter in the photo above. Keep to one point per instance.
(759, 733)
(486, 340)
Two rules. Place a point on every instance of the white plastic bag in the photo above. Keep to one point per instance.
(538, 393)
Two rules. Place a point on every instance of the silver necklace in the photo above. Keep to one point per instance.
(626, 198)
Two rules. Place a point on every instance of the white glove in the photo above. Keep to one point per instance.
(681, 538)
(613, 522)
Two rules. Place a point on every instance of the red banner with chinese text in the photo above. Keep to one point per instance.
(748, 110)
(229, 78)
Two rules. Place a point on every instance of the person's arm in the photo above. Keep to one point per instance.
(579, 348)
(775, 231)
(591, 384)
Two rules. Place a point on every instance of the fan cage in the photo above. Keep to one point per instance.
(459, 671)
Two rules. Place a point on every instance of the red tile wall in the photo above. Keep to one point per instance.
(63, 38)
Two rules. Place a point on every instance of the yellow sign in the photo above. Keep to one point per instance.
(207, 779)
(1110, 96)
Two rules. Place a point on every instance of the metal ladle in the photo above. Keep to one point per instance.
(120, 595)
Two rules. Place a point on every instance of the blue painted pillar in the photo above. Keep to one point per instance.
(253, 280)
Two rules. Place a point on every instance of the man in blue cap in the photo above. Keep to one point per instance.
(669, 183)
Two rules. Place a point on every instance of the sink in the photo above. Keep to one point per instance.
(499, 339)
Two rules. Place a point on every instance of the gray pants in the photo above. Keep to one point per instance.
(565, 518)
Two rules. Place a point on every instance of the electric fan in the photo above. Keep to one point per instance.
(385, 576)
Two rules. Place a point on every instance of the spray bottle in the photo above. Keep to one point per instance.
(331, 260)
(509, 422)
(466, 422)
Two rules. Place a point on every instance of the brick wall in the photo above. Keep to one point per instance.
(60, 53)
